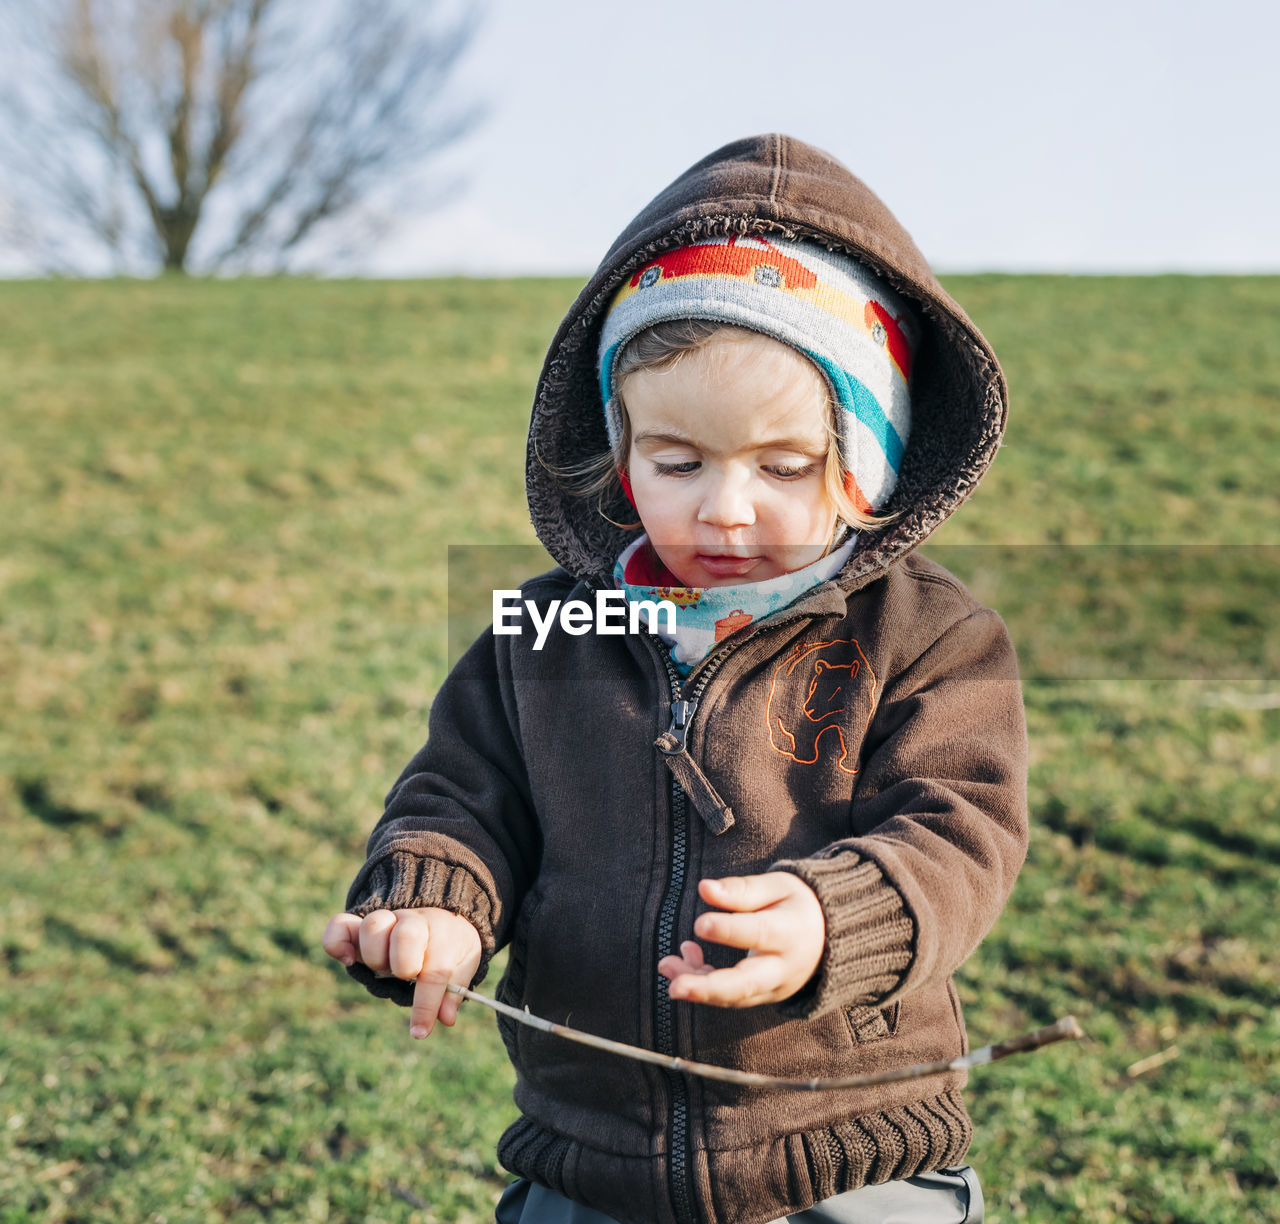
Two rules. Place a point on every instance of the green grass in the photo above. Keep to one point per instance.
(226, 508)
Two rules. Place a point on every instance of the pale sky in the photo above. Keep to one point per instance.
(1005, 134)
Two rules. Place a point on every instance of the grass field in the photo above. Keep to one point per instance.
(226, 508)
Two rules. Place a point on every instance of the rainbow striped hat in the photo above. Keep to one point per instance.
(837, 312)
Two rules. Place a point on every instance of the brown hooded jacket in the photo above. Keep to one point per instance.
(569, 799)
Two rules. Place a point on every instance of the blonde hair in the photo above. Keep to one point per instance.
(661, 347)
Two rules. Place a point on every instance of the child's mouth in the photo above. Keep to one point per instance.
(727, 565)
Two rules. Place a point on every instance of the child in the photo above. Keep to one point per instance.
(822, 763)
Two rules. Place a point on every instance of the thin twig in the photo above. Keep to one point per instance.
(1065, 1029)
(1152, 1061)
(408, 1196)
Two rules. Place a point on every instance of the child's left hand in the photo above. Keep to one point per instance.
(776, 917)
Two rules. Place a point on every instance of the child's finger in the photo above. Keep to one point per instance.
(690, 960)
(452, 956)
(341, 937)
(462, 974)
(375, 932)
(690, 957)
(428, 994)
(753, 980)
(692, 953)
(407, 947)
(743, 893)
(465, 969)
(760, 932)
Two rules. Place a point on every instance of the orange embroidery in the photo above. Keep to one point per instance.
(822, 679)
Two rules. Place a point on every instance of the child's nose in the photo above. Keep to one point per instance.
(727, 502)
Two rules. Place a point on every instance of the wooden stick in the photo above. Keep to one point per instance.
(1065, 1029)
(1151, 1062)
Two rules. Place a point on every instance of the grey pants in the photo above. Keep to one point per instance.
(945, 1196)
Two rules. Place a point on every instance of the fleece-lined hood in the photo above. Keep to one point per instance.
(771, 185)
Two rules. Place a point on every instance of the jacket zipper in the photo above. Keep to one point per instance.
(682, 711)
(664, 1019)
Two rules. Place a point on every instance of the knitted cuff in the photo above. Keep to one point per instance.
(870, 935)
(404, 881)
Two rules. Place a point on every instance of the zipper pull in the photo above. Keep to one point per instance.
(671, 743)
(682, 712)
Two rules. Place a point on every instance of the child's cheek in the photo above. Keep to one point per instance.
(661, 503)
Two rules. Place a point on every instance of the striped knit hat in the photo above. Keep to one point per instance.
(838, 313)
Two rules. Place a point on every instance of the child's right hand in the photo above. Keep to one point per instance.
(433, 947)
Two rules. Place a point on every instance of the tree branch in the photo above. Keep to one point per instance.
(272, 118)
(1065, 1029)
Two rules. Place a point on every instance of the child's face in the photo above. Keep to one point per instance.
(727, 461)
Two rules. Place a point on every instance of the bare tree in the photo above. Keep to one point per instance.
(218, 134)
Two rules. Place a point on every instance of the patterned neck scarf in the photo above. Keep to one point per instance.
(707, 615)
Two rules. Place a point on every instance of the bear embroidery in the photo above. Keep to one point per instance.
(811, 696)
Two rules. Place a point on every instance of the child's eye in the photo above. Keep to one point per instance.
(687, 468)
(786, 472)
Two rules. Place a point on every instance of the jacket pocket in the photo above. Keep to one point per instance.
(511, 990)
(870, 1024)
(958, 1012)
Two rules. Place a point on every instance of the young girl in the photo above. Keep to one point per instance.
(770, 402)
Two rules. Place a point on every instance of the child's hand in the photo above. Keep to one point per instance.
(776, 917)
(433, 947)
